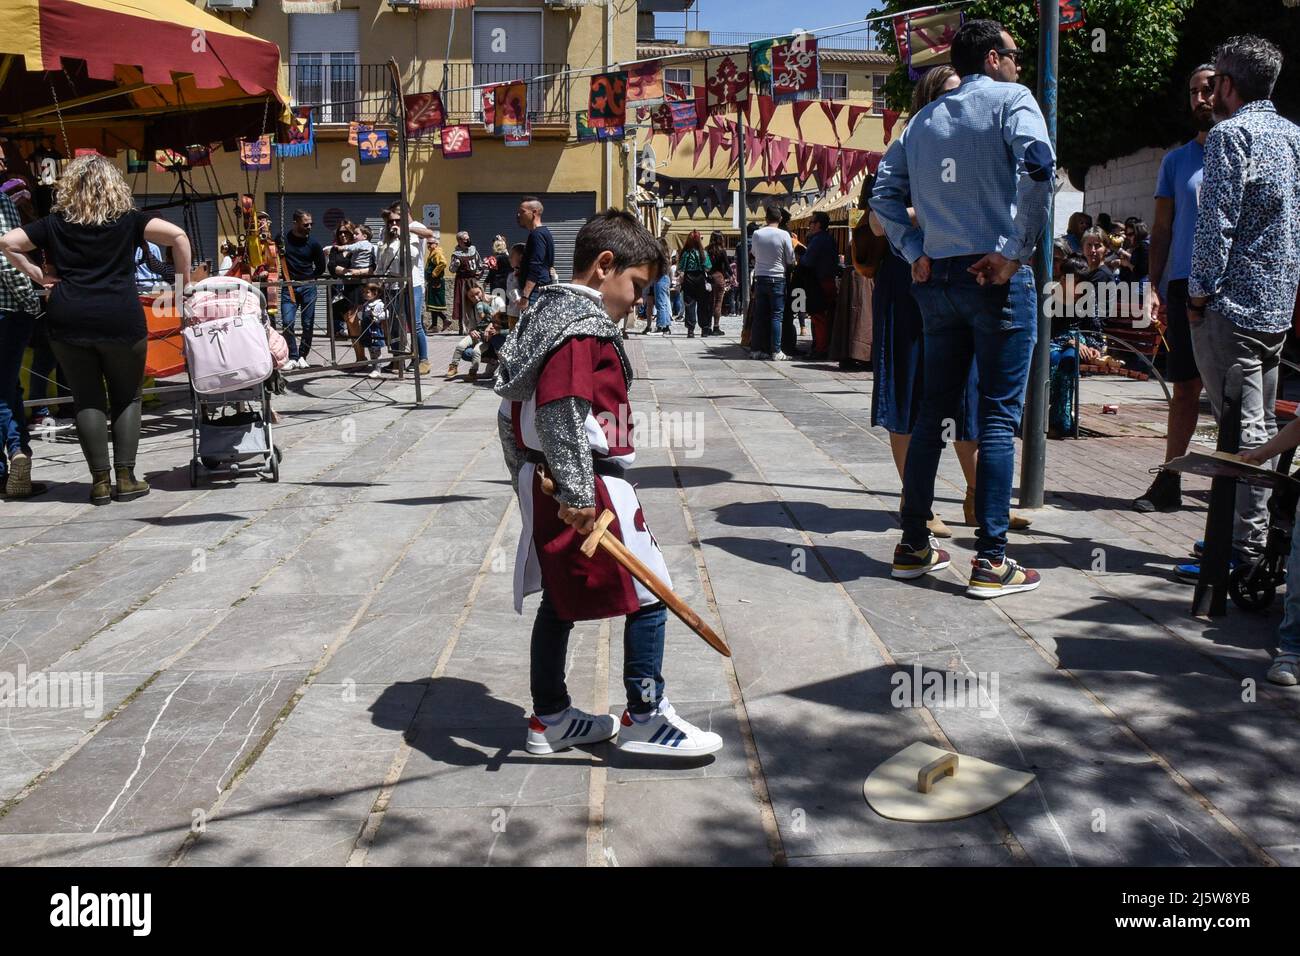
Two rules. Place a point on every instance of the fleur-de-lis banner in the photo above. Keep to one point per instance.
(645, 84)
(255, 154)
(510, 109)
(794, 68)
(302, 140)
(424, 112)
(607, 105)
(456, 143)
(726, 81)
(374, 147)
(198, 156)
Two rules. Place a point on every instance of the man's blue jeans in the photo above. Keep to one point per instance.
(995, 327)
(663, 308)
(643, 659)
(769, 312)
(306, 306)
(15, 331)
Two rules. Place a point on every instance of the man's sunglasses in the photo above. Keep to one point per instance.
(1015, 54)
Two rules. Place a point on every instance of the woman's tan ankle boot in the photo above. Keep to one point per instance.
(128, 486)
(101, 487)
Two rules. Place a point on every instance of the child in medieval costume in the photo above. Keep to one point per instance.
(564, 378)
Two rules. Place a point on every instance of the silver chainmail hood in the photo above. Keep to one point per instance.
(560, 313)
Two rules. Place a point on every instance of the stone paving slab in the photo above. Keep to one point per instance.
(384, 560)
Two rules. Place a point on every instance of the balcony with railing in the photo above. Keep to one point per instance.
(347, 92)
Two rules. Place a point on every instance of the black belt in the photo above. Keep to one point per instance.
(601, 466)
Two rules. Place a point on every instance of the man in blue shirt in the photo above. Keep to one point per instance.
(1178, 189)
(304, 258)
(1241, 292)
(977, 166)
(539, 252)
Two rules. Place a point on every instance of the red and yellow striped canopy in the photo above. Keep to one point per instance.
(138, 73)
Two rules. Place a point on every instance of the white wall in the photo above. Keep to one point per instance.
(1124, 187)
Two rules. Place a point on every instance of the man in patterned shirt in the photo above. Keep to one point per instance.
(18, 307)
(1246, 256)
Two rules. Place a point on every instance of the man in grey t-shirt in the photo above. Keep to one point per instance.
(773, 255)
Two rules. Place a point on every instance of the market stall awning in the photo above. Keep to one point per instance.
(140, 73)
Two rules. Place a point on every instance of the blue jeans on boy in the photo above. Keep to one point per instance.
(15, 331)
(994, 326)
(306, 306)
(643, 659)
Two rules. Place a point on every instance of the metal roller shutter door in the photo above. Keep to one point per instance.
(205, 243)
(327, 211)
(484, 215)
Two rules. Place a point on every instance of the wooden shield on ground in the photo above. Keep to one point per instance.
(925, 784)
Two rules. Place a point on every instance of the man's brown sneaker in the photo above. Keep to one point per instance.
(989, 580)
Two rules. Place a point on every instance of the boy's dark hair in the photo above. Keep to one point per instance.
(519, 247)
(375, 287)
(618, 232)
(972, 44)
(1074, 266)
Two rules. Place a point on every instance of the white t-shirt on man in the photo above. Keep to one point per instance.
(773, 252)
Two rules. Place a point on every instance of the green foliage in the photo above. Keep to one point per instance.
(1114, 72)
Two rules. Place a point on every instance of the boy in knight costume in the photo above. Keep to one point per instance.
(564, 378)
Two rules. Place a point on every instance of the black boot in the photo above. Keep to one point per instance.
(1165, 493)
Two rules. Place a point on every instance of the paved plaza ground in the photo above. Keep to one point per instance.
(329, 670)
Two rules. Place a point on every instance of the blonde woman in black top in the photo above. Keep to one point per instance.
(95, 321)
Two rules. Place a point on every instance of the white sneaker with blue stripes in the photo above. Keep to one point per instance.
(666, 735)
(568, 729)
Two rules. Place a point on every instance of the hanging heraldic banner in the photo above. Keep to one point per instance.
(510, 108)
(794, 68)
(374, 147)
(456, 143)
(645, 85)
(726, 81)
(255, 154)
(607, 104)
(424, 112)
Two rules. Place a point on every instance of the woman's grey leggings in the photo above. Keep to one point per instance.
(88, 365)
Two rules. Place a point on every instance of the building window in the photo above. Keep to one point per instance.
(835, 86)
(323, 64)
(878, 93)
(677, 84)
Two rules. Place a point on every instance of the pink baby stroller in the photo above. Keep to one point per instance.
(229, 361)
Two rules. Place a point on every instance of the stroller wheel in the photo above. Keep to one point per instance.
(211, 464)
(1251, 587)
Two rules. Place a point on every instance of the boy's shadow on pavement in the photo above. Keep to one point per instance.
(453, 710)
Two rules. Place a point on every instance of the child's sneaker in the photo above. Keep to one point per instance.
(912, 562)
(665, 734)
(452, 371)
(989, 580)
(568, 729)
(375, 373)
(1285, 670)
